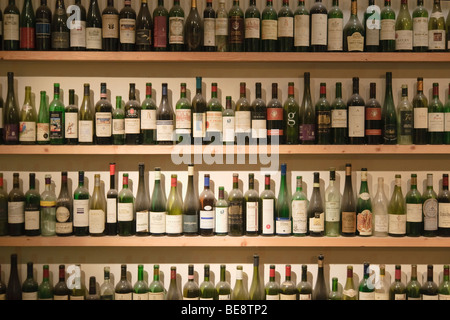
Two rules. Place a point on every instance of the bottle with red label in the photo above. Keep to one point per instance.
(160, 27)
(373, 117)
(27, 26)
(275, 118)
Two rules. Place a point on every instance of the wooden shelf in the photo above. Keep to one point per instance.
(202, 57)
(225, 241)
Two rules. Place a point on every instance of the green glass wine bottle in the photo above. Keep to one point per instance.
(223, 288)
(323, 117)
(397, 290)
(389, 114)
(444, 286)
(174, 213)
(11, 30)
(45, 290)
(27, 27)
(183, 118)
(272, 288)
(413, 286)
(291, 117)
(429, 289)
(48, 208)
(404, 29)
(397, 211)
(436, 29)
(191, 290)
(299, 210)
(156, 289)
(252, 208)
(28, 118)
(336, 33)
(430, 209)
(236, 28)
(372, 24)
(56, 114)
(285, 28)
(366, 287)
(256, 291)
(404, 119)
(176, 27)
(414, 220)
(140, 288)
(301, 28)
(235, 209)
(332, 207)
(97, 210)
(148, 116)
(387, 32)
(30, 286)
(334, 293)
(174, 292)
(364, 214)
(207, 290)
(304, 287)
(435, 118)
(239, 290)
(118, 123)
(123, 289)
(420, 28)
(354, 31)
(283, 221)
(126, 226)
(288, 291)
(32, 209)
(252, 41)
(338, 117)
(81, 208)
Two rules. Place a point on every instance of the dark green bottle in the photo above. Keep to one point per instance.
(127, 27)
(336, 33)
(430, 209)
(3, 208)
(176, 27)
(11, 17)
(148, 117)
(372, 25)
(43, 23)
(389, 115)
(81, 208)
(144, 26)
(236, 28)
(354, 31)
(16, 206)
(338, 117)
(366, 288)
(236, 222)
(319, 27)
(32, 209)
(30, 286)
(118, 123)
(126, 224)
(291, 117)
(269, 28)
(45, 290)
(283, 223)
(94, 27)
(209, 25)
(285, 28)
(323, 117)
(444, 200)
(301, 28)
(414, 220)
(193, 29)
(387, 33)
(435, 118)
(59, 30)
(27, 27)
(252, 28)
(56, 114)
(160, 27)
(364, 214)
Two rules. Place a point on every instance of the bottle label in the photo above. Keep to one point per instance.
(283, 226)
(30, 295)
(228, 125)
(268, 216)
(444, 296)
(259, 129)
(155, 295)
(160, 32)
(403, 40)
(103, 124)
(436, 122)
(287, 296)
(387, 29)
(349, 293)
(319, 29)
(27, 131)
(157, 222)
(397, 224)
(274, 114)
(206, 219)
(94, 38)
(243, 121)
(164, 130)
(430, 214)
(339, 118)
(304, 296)
(143, 37)
(252, 213)
(78, 34)
(132, 125)
(446, 121)
(301, 30)
(414, 212)
(400, 296)
(221, 218)
(174, 223)
(214, 121)
(235, 214)
(11, 27)
(56, 125)
(183, 119)
(118, 127)
(332, 211)
(406, 123)
(372, 37)
(222, 26)
(86, 130)
(27, 38)
(224, 297)
(140, 296)
(97, 221)
(60, 40)
(148, 119)
(420, 118)
(364, 223)
(335, 34)
(420, 32)
(381, 223)
(285, 27)
(323, 122)
(444, 215)
(355, 42)
(43, 132)
(269, 29)
(120, 296)
(366, 295)
(199, 125)
(209, 37)
(111, 210)
(62, 214)
(381, 295)
(11, 132)
(436, 40)
(176, 30)
(32, 220)
(237, 31)
(307, 132)
(81, 213)
(190, 223)
(71, 125)
(142, 219)
(110, 26)
(127, 31)
(356, 121)
(125, 211)
(348, 222)
(430, 297)
(316, 224)
(272, 297)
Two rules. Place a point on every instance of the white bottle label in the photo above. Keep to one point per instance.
(155, 295)
(222, 26)
(206, 219)
(400, 296)
(176, 30)
(121, 296)
(430, 297)
(118, 126)
(94, 38)
(339, 118)
(387, 29)
(403, 40)
(381, 223)
(335, 34)
(252, 216)
(259, 129)
(125, 211)
(148, 119)
(319, 29)
(436, 40)
(252, 28)
(164, 130)
(272, 297)
(78, 34)
(127, 31)
(367, 295)
(268, 216)
(86, 131)
(243, 121)
(397, 223)
(103, 124)
(97, 220)
(447, 121)
(269, 29)
(299, 216)
(221, 219)
(198, 125)
(420, 118)
(111, 210)
(43, 131)
(444, 296)
(81, 213)
(27, 131)
(283, 226)
(214, 121)
(356, 118)
(430, 214)
(301, 31)
(29, 295)
(332, 211)
(110, 23)
(304, 296)
(132, 125)
(157, 222)
(287, 297)
(16, 213)
(228, 125)
(32, 220)
(317, 224)
(381, 295)
(436, 122)
(420, 32)
(174, 223)
(209, 38)
(286, 27)
(183, 119)
(142, 220)
(71, 125)
(444, 215)
(140, 296)
(414, 212)
(11, 26)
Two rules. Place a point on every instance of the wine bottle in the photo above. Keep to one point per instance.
(259, 117)
(43, 23)
(174, 214)
(213, 116)
(28, 118)
(132, 118)
(288, 291)
(160, 27)
(14, 289)
(148, 117)
(257, 290)
(123, 289)
(103, 118)
(207, 290)
(316, 224)
(301, 27)
(332, 207)
(348, 205)
(156, 289)
(118, 123)
(435, 118)
(443, 208)
(57, 115)
(144, 26)
(380, 211)
(308, 118)
(78, 27)
(413, 286)
(92, 293)
(429, 289)
(354, 31)
(387, 32)
(3, 208)
(64, 209)
(252, 208)
(252, 30)
(420, 116)
(382, 286)
(275, 121)
(209, 27)
(111, 202)
(223, 288)
(60, 33)
(30, 286)
(78, 291)
(127, 27)
(61, 291)
(32, 208)
(335, 28)
(43, 121)
(229, 124)
(239, 291)
(191, 206)
(373, 122)
(291, 117)
(268, 208)
(319, 27)
(272, 288)
(11, 33)
(158, 207)
(11, 114)
(430, 209)
(285, 28)
(193, 29)
(304, 287)
(107, 288)
(81, 208)
(356, 115)
(236, 28)
(349, 292)
(206, 214)
(446, 138)
(71, 120)
(320, 291)
(176, 27)
(299, 209)
(397, 290)
(199, 109)
(97, 211)
(236, 209)
(372, 24)
(183, 118)
(436, 29)
(191, 291)
(397, 211)
(414, 220)
(388, 114)
(126, 213)
(404, 29)
(174, 293)
(221, 27)
(334, 293)
(420, 28)
(364, 213)
(283, 223)
(93, 27)
(45, 289)
(86, 118)
(48, 208)
(269, 28)
(323, 117)
(243, 116)
(110, 27)
(142, 204)
(366, 287)
(338, 117)
(16, 209)
(444, 286)
(140, 288)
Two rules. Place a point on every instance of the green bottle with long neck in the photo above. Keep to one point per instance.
(283, 224)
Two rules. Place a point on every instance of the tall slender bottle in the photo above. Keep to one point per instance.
(364, 213)
(43, 23)
(435, 118)
(316, 225)
(48, 208)
(318, 21)
(420, 28)
(308, 119)
(111, 202)
(97, 211)
(356, 115)
(389, 115)
(323, 117)
(430, 209)
(57, 117)
(320, 291)
(142, 204)
(64, 209)
(206, 214)
(110, 27)
(236, 217)
(103, 118)
(443, 208)
(256, 291)
(190, 206)
(446, 138)
(71, 120)
(32, 208)
(193, 29)
(16, 209)
(404, 119)
(436, 28)
(132, 118)
(380, 211)
(160, 27)
(127, 27)
(28, 118)
(236, 25)
(221, 26)
(283, 223)
(348, 205)
(336, 28)
(373, 121)
(252, 28)
(397, 211)
(126, 213)
(332, 207)
(43, 121)
(81, 207)
(299, 209)
(3, 208)
(354, 32)
(158, 207)
(301, 28)
(144, 26)
(60, 32)
(11, 117)
(174, 213)
(414, 218)
(404, 29)
(338, 117)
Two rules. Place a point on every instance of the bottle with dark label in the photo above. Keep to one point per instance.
(236, 25)
(193, 29)
(127, 27)
(60, 33)
(259, 116)
(373, 121)
(338, 117)
(420, 115)
(308, 118)
(160, 27)
(275, 134)
(323, 117)
(404, 118)
(110, 27)
(165, 119)
(43, 23)
(57, 115)
(235, 209)
(132, 118)
(144, 26)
